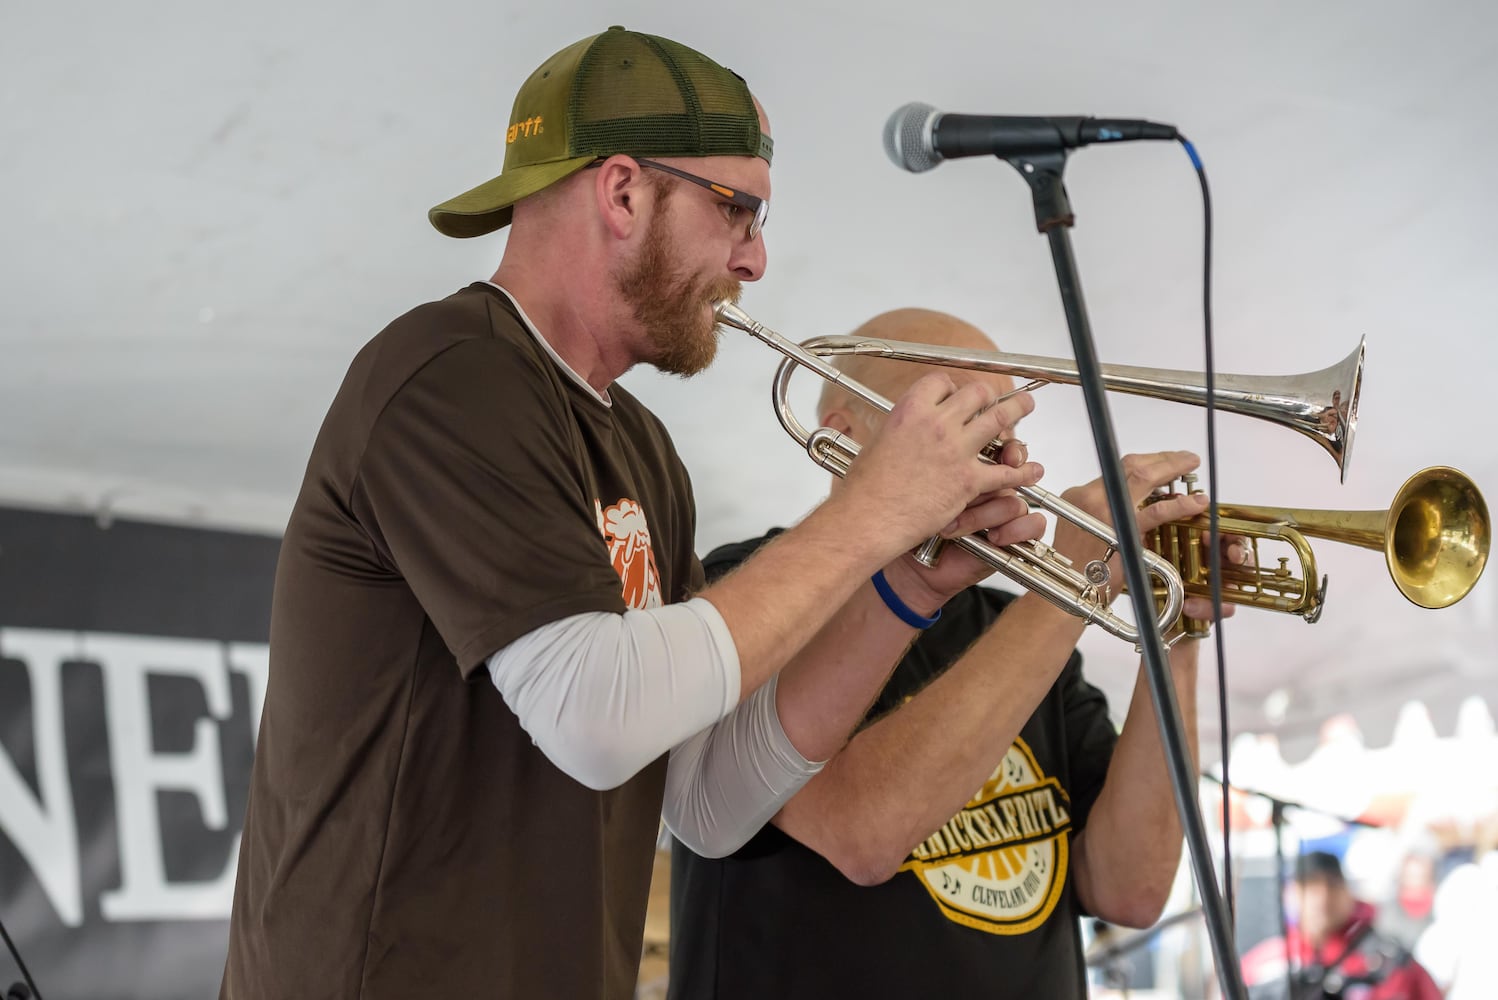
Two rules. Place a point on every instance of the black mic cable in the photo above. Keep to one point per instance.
(19, 992)
(1214, 546)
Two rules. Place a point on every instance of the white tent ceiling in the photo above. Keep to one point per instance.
(209, 207)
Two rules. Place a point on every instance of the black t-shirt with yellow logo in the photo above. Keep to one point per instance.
(404, 836)
(983, 907)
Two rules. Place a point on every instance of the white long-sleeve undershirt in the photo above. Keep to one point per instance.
(602, 695)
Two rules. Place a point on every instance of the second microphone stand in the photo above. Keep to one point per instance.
(1054, 218)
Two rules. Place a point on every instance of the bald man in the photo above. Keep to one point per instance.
(888, 874)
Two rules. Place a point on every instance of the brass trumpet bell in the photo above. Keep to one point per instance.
(1435, 537)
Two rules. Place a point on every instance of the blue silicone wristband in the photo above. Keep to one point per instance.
(900, 608)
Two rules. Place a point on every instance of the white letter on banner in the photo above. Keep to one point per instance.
(253, 661)
(43, 827)
(140, 772)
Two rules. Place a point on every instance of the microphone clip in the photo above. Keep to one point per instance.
(1042, 171)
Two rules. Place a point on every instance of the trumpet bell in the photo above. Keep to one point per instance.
(1435, 537)
(1439, 535)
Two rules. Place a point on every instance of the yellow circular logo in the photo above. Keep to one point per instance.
(999, 865)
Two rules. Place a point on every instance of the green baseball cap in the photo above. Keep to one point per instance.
(616, 92)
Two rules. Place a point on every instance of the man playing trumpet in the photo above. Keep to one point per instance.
(886, 875)
(492, 656)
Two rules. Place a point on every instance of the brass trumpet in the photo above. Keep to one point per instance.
(1435, 537)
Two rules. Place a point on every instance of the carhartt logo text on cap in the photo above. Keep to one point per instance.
(524, 130)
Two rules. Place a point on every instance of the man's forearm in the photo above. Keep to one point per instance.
(911, 771)
(829, 686)
(713, 802)
(1127, 857)
(786, 593)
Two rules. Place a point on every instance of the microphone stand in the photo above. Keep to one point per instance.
(1054, 218)
(1277, 817)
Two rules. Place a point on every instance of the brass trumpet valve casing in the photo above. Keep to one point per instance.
(1275, 588)
(1181, 544)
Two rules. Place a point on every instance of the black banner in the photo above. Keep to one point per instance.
(133, 661)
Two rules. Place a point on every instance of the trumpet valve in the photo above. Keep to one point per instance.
(1043, 552)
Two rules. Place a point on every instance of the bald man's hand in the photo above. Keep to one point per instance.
(1000, 518)
(1143, 474)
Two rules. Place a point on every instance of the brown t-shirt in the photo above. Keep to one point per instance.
(404, 836)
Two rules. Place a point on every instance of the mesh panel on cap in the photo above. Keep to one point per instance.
(718, 91)
(623, 77)
(652, 97)
(723, 98)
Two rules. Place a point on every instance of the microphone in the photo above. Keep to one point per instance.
(917, 136)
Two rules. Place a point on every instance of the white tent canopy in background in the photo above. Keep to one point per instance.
(1420, 780)
(209, 207)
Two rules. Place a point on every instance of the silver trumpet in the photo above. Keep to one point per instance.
(1033, 565)
(1322, 405)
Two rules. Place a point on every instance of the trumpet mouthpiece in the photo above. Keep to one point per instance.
(732, 315)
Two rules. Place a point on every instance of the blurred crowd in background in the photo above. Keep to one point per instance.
(1413, 826)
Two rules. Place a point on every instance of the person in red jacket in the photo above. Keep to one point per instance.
(1333, 950)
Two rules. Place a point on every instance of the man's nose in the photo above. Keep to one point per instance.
(749, 259)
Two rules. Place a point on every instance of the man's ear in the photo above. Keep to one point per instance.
(839, 419)
(620, 192)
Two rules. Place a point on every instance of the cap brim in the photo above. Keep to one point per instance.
(489, 206)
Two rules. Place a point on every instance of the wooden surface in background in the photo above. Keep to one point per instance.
(652, 981)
